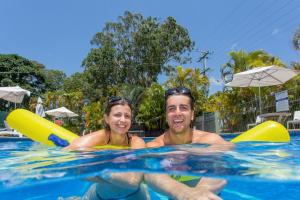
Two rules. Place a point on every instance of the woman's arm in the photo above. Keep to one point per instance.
(127, 180)
(89, 141)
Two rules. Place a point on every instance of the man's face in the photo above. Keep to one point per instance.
(179, 113)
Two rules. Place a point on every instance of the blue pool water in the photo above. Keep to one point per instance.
(255, 171)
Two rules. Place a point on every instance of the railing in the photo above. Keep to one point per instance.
(250, 110)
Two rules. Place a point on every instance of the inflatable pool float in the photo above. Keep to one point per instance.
(42, 130)
(269, 131)
(48, 133)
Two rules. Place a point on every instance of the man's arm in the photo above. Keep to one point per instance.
(216, 142)
(164, 184)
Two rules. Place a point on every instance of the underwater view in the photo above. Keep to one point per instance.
(253, 170)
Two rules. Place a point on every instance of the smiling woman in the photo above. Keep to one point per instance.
(117, 122)
(117, 119)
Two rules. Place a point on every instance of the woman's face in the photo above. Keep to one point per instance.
(119, 119)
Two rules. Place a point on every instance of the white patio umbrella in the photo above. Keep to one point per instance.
(39, 108)
(61, 112)
(13, 94)
(262, 76)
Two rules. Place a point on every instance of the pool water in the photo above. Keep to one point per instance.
(255, 171)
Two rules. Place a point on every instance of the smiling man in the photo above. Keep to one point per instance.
(179, 116)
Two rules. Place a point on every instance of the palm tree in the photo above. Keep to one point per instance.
(238, 100)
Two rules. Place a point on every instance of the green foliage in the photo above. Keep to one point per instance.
(242, 60)
(151, 109)
(133, 93)
(193, 80)
(73, 101)
(94, 114)
(75, 82)
(16, 70)
(133, 51)
(230, 105)
(30, 75)
(54, 79)
(237, 103)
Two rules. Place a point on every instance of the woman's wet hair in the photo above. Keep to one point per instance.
(113, 101)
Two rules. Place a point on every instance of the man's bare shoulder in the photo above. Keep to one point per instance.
(207, 137)
(157, 142)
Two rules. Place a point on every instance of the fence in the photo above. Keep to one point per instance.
(208, 122)
(212, 122)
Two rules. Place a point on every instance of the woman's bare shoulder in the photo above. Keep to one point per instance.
(137, 142)
(157, 142)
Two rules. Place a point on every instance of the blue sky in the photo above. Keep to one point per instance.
(57, 33)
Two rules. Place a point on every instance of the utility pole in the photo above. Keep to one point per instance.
(203, 56)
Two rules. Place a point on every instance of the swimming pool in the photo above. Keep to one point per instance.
(29, 170)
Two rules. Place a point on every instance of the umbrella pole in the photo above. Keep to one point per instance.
(259, 100)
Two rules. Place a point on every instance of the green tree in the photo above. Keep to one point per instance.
(240, 103)
(242, 61)
(134, 51)
(151, 109)
(75, 82)
(195, 81)
(132, 92)
(73, 101)
(54, 79)
(16, 70)
(94, 116)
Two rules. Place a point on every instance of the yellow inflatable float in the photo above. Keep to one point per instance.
(268, 131)
(46, 132)
(42, 130)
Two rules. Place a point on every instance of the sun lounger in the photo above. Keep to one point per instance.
(295, 123)
(257, 121)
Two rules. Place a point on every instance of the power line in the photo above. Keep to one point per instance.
(256, 11)
(268, 37)
(273, 23)
(246, 32)
(226, 18)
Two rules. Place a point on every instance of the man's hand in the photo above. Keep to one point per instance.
(196, 194)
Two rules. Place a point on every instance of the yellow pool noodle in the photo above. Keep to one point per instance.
(37, 128)
(43, 131)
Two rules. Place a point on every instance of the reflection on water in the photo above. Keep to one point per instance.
(253, 170)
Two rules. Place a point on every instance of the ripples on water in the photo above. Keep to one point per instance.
(253, 170)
